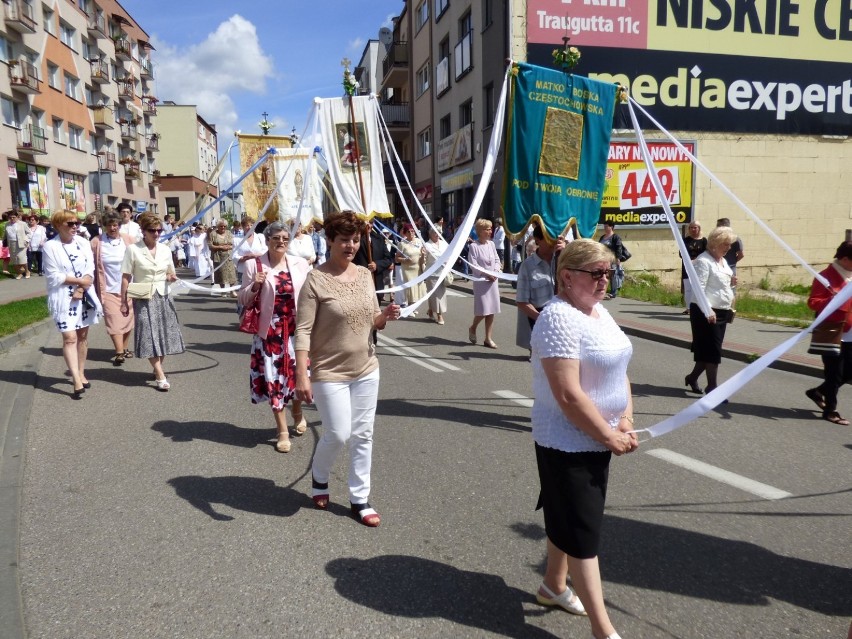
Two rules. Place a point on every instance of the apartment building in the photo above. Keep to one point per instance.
(189, 155)
(78, 107)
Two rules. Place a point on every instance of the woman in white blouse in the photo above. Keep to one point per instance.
(148, 265)
(716, 279)
(435, 247)
(70, 271)
(301, 245)
(583, 413)
(251, 246)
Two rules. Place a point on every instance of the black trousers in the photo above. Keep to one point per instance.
(837, 371)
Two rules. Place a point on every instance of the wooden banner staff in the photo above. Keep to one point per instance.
(360, 177)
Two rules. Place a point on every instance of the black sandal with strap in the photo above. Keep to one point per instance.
(835, 418)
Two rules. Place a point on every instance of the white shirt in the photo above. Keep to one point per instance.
(112, 256)
(715, 279)
(302, 246)
(132, 229)
(254, 245)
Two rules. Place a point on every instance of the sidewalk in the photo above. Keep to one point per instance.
(12, 290)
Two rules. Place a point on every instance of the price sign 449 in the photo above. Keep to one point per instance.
(636, 191)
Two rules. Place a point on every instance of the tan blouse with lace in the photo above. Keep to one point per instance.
(334, 322)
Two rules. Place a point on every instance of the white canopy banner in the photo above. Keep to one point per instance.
(353, 152)
(299, 180)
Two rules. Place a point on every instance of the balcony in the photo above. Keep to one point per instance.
(96, 24)
(106, 162)
(31, 139)
(386, 171)
(19, 16)
(146, 68)
(131, 172)
(100, 71)
(23, 77)
(152, 142)
(149, 105)
(129, 131)
(396, 114)
(122, 48)
(103, 118)
(395, 65)
(127, 88)
(154, 177)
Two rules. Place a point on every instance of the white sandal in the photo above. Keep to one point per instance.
(568, 600)
(163, 384)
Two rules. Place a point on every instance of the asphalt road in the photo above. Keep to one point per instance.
(170, 515)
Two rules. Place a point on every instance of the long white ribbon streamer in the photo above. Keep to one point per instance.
(735, 383)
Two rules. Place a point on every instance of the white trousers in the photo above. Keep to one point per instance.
(348, 410)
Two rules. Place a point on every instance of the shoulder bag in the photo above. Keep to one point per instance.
(250, 317)
(825, 338)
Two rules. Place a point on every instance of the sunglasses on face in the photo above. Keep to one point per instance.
(154, 230)
(597, 274)
(72, 224)
(279, 238)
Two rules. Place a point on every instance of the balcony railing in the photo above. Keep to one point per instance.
(31, 139)
(386, 170)
(23, 77)
(149, 106)
(129, 131)
(131, 172)
(397, 56)
(19, 16)
(127, 88)
(396, 114)
(122, 48)
(103, 117)
(100, 71)
(106, 162)
(96, 23)
(152, 142)
(146, 68)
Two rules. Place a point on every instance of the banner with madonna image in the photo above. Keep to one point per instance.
(556, 151)
(299, 184)
(352, 149)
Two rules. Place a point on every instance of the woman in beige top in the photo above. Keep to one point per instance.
(336, 313)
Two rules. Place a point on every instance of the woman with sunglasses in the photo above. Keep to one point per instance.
(274, 280)
(69, 269)
(582, 415)
(147, 270)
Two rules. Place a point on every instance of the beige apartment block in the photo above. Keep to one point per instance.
(78, 107)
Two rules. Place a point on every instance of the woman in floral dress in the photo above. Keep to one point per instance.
(274, 281)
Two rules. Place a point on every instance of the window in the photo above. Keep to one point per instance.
(75, 137)
(72, 87)
(442, 70)
(488, 104)
(424, 143)
(423, 80)
(53, 75)
(422, 15)
(446, 129)
(464, 49)
(487, 13)
(11, 116)
(5, 50)
(68, 35)
(48, 20)
(440, 7)
(466, 113)
(90, 97)
(57, 131)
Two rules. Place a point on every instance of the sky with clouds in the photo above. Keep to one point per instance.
(236, 60)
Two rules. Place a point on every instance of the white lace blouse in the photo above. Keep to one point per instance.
(604, 352)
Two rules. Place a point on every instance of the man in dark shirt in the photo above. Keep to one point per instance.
(378, 260)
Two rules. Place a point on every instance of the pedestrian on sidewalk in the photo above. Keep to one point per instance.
(35, 243)
(148, 264)
(837, 366)
(108, 249)
(273, 280)
(16, 241)
(338, 310)
(613, 242)
(708, 333)
(695, 246)
(70, 272)
(582, 415)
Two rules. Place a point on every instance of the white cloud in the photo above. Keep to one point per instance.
(356, 46)
(229, 61)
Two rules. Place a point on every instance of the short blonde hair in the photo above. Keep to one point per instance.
(482, 224)
(149, 220)
(579, 254)
(61, 218)
(721, 235)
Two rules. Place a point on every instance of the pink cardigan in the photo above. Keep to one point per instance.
(299, 269)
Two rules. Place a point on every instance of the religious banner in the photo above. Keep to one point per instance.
(298, 182)
(556, 151)
(260, 186)
(352, 147)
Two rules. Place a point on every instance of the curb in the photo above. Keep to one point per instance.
(9, 342)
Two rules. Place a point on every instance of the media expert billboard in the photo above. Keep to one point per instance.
(757, 66)
(629, 196)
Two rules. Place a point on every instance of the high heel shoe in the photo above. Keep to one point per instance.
(78, 393)
(693, 385)
(319, 494)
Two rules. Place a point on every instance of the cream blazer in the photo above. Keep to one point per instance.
(145, 268)
(299, 269)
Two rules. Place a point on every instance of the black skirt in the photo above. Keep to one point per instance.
(707, 338)
(573, 492)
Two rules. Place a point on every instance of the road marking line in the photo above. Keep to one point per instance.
(719, 474)
(415, 360)
(387, 341)
(524, 401)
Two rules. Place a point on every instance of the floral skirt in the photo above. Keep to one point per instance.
(272, 374)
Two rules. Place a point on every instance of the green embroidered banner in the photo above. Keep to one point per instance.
(556, 152)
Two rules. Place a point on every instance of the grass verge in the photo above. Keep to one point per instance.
(16, 315)
(646, 287)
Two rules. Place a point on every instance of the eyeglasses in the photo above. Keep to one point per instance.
(154, 230)
(279, 238)
(597, 274)
(72, 224)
